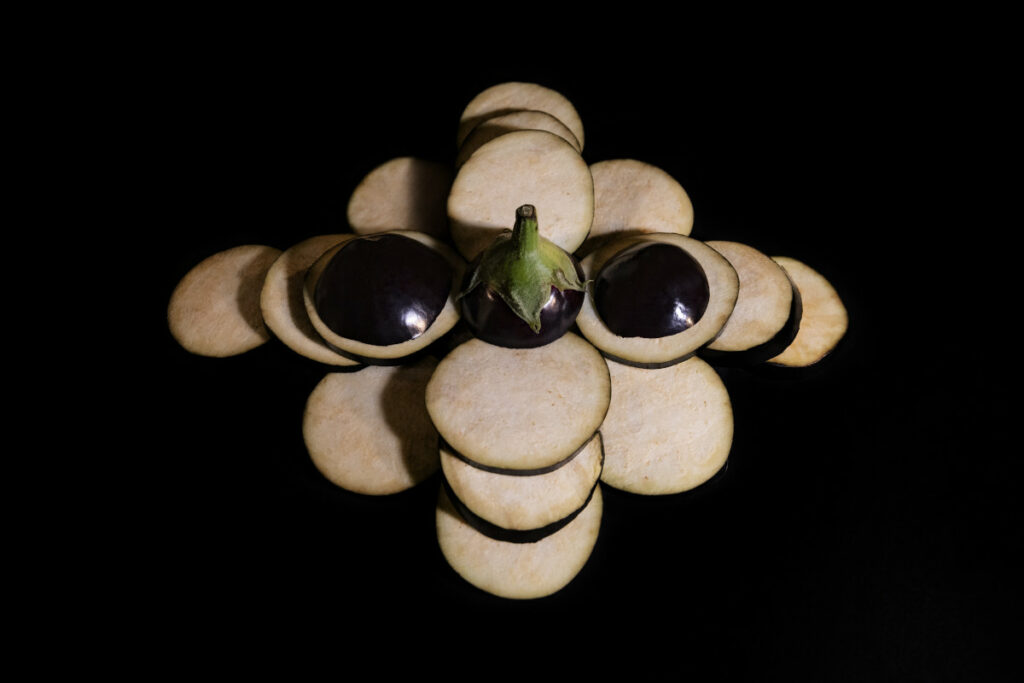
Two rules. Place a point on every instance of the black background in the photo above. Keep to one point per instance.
(864, 527)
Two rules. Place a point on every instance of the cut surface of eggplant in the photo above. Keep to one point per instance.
(823, 321)
(404, 193)
(519, 409)
(632, 196)
(214, 310)
(374, 353)
(522, 167)
(368, 431)
(652, 352)
(281, 300)
(506, 123)
(667, 430)
(520, 571)
(512, 96)
(767, 313)
(524, 502)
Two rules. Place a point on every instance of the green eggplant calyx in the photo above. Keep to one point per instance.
(521, 266)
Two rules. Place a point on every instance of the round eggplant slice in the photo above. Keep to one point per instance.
(512, 96)
(404, 193)
(368, 431)
(282, 304)
(632, 196)
(522, 167)
(767, 313)
(823, 321)
(519, 409)
(512, 570)
(382, 305)
(524, 502)
(214, 309)
(506, 123)
(661, 351)
(668, 430)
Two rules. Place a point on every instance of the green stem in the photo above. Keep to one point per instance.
(525, 233)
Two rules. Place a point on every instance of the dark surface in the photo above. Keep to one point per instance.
(650, 291)
(864, 529)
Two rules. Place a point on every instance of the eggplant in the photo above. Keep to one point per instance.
(767, 313)
(513, 96)
(523, 290)
(381, 298)
(368, 432)
(672, 345)
(524, 166)
(403, 193)
(214, 310)
(519, 409)
(668, 430)
(525, 503)
(518, 570)
(281, 301)
(525, 119)
(823, 322)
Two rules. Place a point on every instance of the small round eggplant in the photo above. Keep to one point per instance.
(382, 290)
(523, 291)
(651, 289)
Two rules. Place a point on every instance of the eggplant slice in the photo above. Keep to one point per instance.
(823, 322)
(283, 306)
(658, 352)
(214, 309)
(524, 502)
(521, 571)
(368, 432)
(632, 196)
(519, 409)
(767, 313)
(506, 123)
(667, 430)
(522, 167)
(514, 96)
(404, 193)
(382, 354)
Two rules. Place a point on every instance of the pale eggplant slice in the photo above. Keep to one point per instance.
(514, 96)
(400, 352)
(512, 501)
(214, 309)
(404, 193)
(521, 571)
(658, 352)
(368, 432)
(823, 322)
(283, 305)
(507, 123)
(767, 313)
(632, 196)
(522, 167)
(519, 409)
(667, 430)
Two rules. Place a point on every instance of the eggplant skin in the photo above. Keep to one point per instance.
(499, 533)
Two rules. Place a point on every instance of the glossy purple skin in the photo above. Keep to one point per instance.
(489, 318)
(383, 289)
(651, 290)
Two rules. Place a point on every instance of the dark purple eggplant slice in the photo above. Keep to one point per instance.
(386, 322)
(824, 319)
(656, 352)
(520, 571)
(513, 96)
(404, 193)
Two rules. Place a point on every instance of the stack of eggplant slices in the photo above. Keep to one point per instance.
(528, 324)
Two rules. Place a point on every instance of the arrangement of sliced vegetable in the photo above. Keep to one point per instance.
(581, 325)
